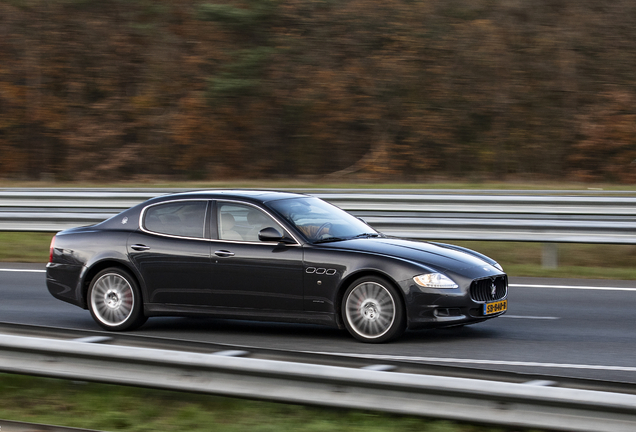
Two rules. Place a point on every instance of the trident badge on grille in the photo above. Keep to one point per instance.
(493, 290)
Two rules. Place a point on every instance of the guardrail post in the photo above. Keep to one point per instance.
(550, 256)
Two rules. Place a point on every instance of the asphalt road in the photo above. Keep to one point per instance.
(554, 327)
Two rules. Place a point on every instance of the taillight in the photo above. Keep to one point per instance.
(51, 249)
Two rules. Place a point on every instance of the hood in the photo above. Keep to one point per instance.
(439, 256)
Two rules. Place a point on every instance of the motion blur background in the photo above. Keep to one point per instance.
(360, 90)
(331, 92)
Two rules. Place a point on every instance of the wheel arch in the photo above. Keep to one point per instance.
(348, 280)
(92, 271)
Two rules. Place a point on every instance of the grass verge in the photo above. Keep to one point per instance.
(117, 408)
(590, 261)
(28, 247)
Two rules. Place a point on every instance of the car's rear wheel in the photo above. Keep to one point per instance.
(373, 310)
(115, 301)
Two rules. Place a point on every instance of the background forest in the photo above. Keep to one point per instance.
(413, 90)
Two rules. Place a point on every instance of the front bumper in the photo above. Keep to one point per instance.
(437, 308)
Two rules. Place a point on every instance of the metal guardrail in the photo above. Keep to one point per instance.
(540, 216)
(471, 400)
(417, 365)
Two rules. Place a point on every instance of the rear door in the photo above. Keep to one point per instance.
(172, 252)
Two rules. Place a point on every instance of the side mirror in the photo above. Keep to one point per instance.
(270, 234)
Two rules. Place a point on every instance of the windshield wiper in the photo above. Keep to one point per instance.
(330, 239)
(335, 239)
(368, 235)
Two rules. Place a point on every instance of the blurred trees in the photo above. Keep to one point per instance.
(355, 89)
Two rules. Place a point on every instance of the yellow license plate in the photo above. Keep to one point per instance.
(495, 307)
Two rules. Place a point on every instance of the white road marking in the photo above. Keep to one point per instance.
(484, 362)
(571, 287)
(580, 287)
(476, 361)
(22, 271)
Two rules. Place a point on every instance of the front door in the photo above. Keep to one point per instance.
(249, 273)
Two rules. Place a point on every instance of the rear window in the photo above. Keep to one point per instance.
(180, 218)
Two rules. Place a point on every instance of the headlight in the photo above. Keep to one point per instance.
(435, 280)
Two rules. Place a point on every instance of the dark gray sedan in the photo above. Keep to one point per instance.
(275, 256)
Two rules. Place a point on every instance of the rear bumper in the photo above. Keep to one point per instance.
(62, 281)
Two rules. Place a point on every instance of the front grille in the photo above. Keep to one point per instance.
(481, 290)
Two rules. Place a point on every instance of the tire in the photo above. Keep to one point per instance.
(373, 310)
(115, 301)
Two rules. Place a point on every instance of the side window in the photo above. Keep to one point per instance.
(243, 222)
(181, 218)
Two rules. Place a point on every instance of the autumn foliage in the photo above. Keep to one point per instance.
(340, 89)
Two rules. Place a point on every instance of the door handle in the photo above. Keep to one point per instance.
(140, 247)
(224, 253)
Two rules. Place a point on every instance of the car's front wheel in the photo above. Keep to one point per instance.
(115, 301)
(373, 310)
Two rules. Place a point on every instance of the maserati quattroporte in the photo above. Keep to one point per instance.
(264, 255)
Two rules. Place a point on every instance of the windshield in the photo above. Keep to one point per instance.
(320, 221)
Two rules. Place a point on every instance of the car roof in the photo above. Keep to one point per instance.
(245, 194)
